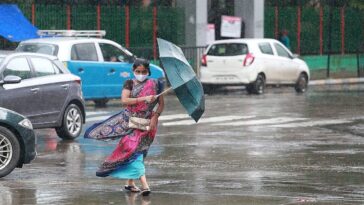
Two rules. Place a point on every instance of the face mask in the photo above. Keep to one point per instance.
(141, 78)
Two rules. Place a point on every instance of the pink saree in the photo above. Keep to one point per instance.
(133, 142)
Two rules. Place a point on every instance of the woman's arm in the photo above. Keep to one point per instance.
(158, 112)
(127, 100)
(160, 107)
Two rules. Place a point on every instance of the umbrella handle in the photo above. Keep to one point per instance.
(164, 92)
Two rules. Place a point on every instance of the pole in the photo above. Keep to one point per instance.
(298, 30)
(276, 22)
(98, 16)
(329, 43)
(33, 13)
(342, 12)
(321, 31)
(127, 26)
(68, 13)
(155, 31)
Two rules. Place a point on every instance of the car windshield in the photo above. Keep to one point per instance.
(228, 49)
(43, 48)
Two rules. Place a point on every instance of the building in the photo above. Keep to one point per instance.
(198, 13)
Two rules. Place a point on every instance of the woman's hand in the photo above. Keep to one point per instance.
(150, 98)
(153, 122)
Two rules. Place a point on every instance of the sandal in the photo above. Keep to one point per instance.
(145, 192)
(131, 188)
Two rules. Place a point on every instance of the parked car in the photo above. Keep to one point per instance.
(41, 88)
(102, 64)
(17, 141)
(254, 63)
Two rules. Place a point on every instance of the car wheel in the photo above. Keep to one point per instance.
(258, 86)
(9, 151)
(71, 123)
(301, 84)
(101, 102)
(248, 89)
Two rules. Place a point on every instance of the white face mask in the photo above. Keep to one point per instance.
(141, 78)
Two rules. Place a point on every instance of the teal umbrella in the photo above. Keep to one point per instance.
(182, 78)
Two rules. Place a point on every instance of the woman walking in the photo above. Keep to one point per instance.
(139, 96)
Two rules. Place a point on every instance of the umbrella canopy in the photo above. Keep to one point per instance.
(182, 78)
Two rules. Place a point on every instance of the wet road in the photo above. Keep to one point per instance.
(279, 148)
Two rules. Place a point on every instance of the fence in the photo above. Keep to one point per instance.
(129, 26)
(309, 28)
(192, 54)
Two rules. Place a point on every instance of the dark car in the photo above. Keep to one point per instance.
(41, 88)
(17, 141)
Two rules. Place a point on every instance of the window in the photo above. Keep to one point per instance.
(43, 67)
(18, 67)
(84, 52)
(229, 49)
(43, 48)
(266, 48)
(112, 53)
(281, 51)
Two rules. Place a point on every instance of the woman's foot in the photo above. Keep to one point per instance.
(145, 192)
(132, 188)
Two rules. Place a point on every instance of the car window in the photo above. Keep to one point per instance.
(228, 49)
(266, 48)
(113, 54)
(43, 48)
(84, 52)
(43, 67)
(18, 67)
(281, 51)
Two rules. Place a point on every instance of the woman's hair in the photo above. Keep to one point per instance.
(143, 62)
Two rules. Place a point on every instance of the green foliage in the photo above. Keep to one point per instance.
(359, 4)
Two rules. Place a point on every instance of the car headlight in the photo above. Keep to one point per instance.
(26, 123)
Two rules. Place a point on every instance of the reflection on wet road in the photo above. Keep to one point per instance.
(279, 148)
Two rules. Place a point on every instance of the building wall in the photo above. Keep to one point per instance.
(252, 13)
(196, 21)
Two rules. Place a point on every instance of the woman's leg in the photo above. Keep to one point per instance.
(130, 185)
(130, 182)
(144, 182)
(145, 187)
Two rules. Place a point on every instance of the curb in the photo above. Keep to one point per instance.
(337, 81)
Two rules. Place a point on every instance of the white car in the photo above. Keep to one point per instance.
(254, 63)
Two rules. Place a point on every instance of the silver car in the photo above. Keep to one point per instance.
(41, 88)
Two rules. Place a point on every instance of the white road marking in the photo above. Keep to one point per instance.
(261, 122)
(207, 120)
(173, 117)
(312, 123)
(91, 113)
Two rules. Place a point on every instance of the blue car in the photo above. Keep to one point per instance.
(102, 65)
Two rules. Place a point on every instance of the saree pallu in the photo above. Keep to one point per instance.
(133, 142)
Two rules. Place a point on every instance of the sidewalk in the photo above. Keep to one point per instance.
(337, 81)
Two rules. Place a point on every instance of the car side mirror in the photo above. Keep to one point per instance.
(11, 79)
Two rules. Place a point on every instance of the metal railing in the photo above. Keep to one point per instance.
(192, 54)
